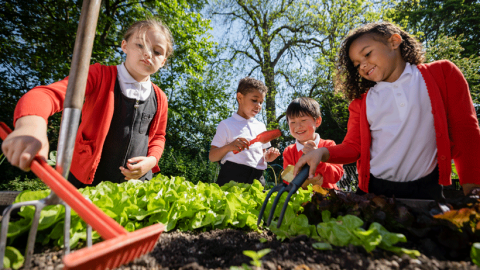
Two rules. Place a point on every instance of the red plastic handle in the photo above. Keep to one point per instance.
(264, 137)
(106, 226)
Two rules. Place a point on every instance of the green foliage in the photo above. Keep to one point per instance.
(13, 258)
(190, 165)
(450, 48)
(475, 253)
(346, 230)
(256, 256)
(23, 183)
(433, 19)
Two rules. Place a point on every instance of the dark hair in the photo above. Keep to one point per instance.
(303, 106)
(249, 84)
(143, 26)
(348, 80)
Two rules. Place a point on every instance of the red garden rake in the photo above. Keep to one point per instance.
(120, 246)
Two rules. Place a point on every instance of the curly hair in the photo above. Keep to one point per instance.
(348, 80)
(249, 84)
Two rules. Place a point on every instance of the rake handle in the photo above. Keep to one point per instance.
(106, 226)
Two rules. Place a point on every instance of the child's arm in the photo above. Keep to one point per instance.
(28, 139)
(331, 172)
(157, 144)
(462, 127)
(217, 153)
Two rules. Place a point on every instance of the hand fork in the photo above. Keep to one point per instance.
(291, 187)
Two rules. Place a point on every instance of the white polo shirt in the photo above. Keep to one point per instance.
(238, 127)
(401, 123)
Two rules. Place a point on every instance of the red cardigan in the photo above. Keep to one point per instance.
(331, 172)
(455, 121)
(97, 114)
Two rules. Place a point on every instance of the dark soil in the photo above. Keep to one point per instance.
(221, 249)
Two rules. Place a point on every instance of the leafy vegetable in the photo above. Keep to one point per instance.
(175, 202)
(13, 258)
(346, 230)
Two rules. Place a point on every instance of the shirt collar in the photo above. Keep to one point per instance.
(237, 117)
(406, 71)
(130, 87)
(300, 146)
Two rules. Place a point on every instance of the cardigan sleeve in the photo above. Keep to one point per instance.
(46, 100)
(157, 144)
(349, 150)
(463, 128)
(331, 172)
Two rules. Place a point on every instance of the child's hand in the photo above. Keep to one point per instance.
(27, 140)
(271, 154)
(239, 144)
(317, 180)
(138, 167)
(312, 159)
(309, 146)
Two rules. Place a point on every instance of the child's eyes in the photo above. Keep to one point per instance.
(157, 53)
(140, 45)
(368, 53)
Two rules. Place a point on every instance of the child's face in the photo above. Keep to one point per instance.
(303, 127)
(145, 58)
(250, 104)
(376, 60)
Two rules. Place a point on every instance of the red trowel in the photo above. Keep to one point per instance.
(264, 137)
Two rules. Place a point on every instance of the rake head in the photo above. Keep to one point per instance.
(292, 187)
(114, 252)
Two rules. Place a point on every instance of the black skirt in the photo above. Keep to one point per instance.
(426, 188)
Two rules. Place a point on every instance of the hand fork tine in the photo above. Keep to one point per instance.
(274, 205)
(276, 188)
(291, 187)
(296, 183)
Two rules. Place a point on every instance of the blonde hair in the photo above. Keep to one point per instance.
(143, 26)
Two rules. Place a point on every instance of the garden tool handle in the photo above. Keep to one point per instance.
(249, 143)
(264, 137)
(106, 226)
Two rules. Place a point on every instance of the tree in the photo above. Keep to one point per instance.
(37, 40)
(292, 45)
(433, 19)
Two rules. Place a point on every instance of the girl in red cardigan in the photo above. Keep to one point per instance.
(124, 117)
(407, 120)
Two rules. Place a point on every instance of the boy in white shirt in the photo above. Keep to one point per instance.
(234, 133)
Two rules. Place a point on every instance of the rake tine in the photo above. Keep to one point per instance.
(293, 189)
(274, 205)
(276, 188)
(3, 235)
(39, 205)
